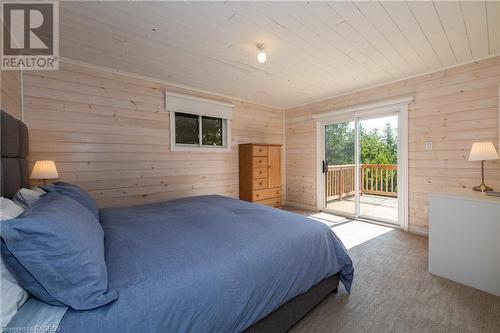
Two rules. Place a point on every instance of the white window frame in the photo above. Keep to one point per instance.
(179, 103)
(226, 136)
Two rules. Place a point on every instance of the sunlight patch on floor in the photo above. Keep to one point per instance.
(351, 232)
(356, 232)
(328, 219)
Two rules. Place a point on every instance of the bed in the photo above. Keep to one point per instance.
(197, 264)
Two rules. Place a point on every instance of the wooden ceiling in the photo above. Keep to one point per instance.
(315, 49)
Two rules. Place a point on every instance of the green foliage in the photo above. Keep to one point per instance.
(339, 144)
(376, 147)
(211, 131)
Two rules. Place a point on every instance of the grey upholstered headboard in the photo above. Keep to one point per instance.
(14, 147)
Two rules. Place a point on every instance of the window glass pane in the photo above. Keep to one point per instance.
(186, 128)
(211, 131)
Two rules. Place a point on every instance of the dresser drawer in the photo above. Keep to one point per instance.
(259, 151)
(259, 173)
(260, 162)
(266, 194)
(273, 202)
(259, 183)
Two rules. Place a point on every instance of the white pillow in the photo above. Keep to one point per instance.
(27, 197)
(9, 210)
(13, 296)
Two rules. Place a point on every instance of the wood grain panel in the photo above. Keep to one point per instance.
(259, 150)
(10, 95)
(109, 133)
(273, 202)
(266, 194)
(260, 162)
(259, 173)
(259, 183)
(453, 108)
(274, 166)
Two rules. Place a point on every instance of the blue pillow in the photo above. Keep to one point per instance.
(55, 249)
(75, 193)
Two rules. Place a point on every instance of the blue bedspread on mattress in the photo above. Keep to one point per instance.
(207, 264)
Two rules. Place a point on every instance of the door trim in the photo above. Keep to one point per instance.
(399, 106)
(320, 152)
(403, 181)
(364, 109)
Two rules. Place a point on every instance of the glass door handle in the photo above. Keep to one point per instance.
(324, 168)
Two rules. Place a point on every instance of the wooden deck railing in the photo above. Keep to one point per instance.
(379, 179)
(339, 181)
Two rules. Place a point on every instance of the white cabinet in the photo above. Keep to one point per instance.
(464, 239)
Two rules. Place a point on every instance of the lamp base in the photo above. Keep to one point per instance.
(482, 188)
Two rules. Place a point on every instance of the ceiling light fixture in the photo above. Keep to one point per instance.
(261, 57)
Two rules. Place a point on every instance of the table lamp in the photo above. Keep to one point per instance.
(44, 170)
(483, 151)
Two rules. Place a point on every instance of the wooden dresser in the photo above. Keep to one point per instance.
(260, 173)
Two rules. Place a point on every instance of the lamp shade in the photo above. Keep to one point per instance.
(483, 151)
(44, 170)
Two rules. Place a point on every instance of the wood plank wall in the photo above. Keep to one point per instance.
(10, 96)
(109, 133)
(453, 108)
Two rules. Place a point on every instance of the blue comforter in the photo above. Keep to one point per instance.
(207, 264)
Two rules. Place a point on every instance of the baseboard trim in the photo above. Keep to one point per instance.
(419, 231)
(300, 206)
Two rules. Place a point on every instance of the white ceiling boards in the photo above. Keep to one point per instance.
(315, 50)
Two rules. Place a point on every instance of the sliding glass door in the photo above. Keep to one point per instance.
(378, 158)
(360, 167)
(339, 167)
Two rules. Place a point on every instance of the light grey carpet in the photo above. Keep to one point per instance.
(394, 292)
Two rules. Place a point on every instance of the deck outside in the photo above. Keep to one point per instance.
(378, 190)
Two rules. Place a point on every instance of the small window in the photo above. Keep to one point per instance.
(212, 133)
(186, 129)
(198, 124)
(197, 131)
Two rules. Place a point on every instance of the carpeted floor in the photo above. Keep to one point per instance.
(394, 292)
